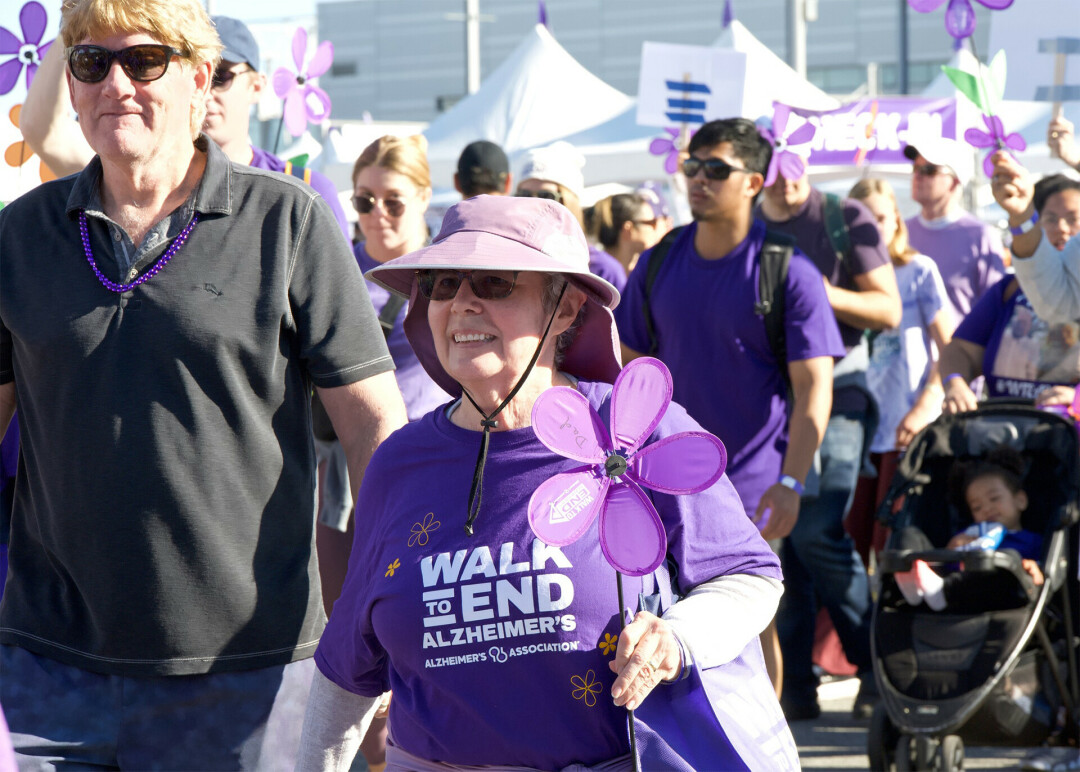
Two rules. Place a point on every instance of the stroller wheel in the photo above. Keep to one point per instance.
(951, 754)
(881, 740)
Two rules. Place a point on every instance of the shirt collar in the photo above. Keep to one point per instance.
(214, 193)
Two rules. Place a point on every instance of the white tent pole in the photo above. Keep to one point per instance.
(472, 46)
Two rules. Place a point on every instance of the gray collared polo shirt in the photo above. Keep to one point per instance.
(163, 516)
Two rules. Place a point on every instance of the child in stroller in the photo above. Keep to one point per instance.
(991, 491)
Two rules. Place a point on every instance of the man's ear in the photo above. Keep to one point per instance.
(258, 85)
(755, 181)
(509, 186)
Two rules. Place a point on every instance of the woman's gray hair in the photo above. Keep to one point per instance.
(553, 287)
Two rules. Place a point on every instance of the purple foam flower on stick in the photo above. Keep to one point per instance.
(304, 101)
(669, 148)
(28, 51)
(562, 509)
(785, 161)
(996, 140)
(959, 16)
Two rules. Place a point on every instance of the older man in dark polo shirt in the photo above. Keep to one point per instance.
(163, 316)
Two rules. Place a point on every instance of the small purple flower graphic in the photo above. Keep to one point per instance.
(304, 101)
(959, 16)
(996, 140)
(669, 148)
(28, 51)
(563, 508)
(784, 161)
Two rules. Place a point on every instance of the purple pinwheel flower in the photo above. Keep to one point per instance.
(563, 508)
(959, 16)
(304, 101)
(996, 140)
(28, 51)
(784, 161)
(669, 148)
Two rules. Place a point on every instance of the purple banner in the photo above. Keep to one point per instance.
(875, 130)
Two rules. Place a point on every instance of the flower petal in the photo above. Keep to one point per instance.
(978, 138)
(32, 17)
(639, 400)
(791, 165)
(283, 81)
(295, 113)
(925, 6)
(960, 19)
(781, 113)
(563, 507)
(9, 44)
(997, 128)
(31, 71)
(661, 145)
(321, 60)
(671, 162)
(9, 74)
(316, 103)
(988, 164)
(1016, 142)
(997, 5)
(299, 48)
(566, 423)
(686, 462)
(632, 536)
(771, 173)
(803, 134)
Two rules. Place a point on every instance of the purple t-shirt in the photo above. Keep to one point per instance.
(868, 251)
(497, 646)
(607, 267)
(421, 394)
(1023, 353)
(724, 370)
(968, 255)
(320, 183)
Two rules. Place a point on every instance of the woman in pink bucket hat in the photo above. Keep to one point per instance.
(503, 644)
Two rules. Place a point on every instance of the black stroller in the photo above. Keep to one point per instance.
(1006, 677)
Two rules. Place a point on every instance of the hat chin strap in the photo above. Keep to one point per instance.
(476, 492)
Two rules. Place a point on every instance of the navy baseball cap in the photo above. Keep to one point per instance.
(240, 45)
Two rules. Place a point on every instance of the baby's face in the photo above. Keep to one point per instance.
(990, 500)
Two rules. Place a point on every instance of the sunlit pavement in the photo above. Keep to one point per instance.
(836, 741)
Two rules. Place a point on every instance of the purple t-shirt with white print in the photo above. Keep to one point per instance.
(724, 370)
(1024, 354)
(607, 267)
(497, 646)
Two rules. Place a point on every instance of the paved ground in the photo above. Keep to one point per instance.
(835, 741)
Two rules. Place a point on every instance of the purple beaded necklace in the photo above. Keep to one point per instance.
(154, 269)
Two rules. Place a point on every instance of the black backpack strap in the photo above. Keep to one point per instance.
(773, 262)
(390, 313)
(656, 259)
(836, 227)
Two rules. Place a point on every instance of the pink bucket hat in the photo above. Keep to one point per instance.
(505, 233)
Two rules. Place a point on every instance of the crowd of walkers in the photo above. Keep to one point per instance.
(221, 434)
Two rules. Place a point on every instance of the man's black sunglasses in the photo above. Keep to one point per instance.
(443, 283)
(223, 79)
(715, 168)
(143, 63)
(550, 195)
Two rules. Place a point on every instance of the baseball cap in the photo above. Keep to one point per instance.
(483, 162)
(240, 45)
(559, 162)
(506, 233)
(942, 151)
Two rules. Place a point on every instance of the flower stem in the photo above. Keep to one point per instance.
(630, 713)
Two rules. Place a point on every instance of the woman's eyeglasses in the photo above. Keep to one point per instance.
(443, 283)
(223, 79)
(143, 63)
(715, 168)
(365, 204)
(550, 195)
